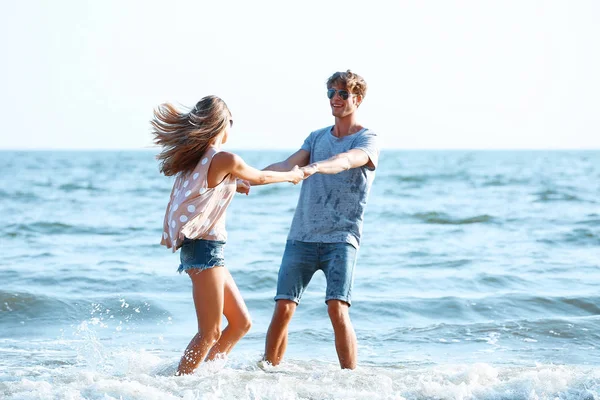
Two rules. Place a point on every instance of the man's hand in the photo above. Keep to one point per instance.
(309, 170)
(243, 186)
(298, 175)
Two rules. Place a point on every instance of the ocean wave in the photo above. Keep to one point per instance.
(21, 309)
(25, 306)
(20, 196)
(410, 178)
(578, 237)
(499, 181)
(593, 221)
(583, 237)
(45, 184)
(550, 195)
(60, 228)
(399, 193)
(579, 331)
(427, 178)
(449, 309)
(114, 262)
(564, 306)
(498, 281)
(434, 217)
(454, 265)
(7, 275)
(72, 187)
(431, 217)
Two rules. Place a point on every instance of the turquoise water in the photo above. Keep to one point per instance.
(477, 278)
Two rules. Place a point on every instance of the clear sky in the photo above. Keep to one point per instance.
(441, 74)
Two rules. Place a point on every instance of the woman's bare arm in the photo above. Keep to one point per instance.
(225, 163)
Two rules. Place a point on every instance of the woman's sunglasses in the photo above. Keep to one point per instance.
(344, 94)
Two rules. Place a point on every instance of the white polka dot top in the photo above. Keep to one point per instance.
(194, 210)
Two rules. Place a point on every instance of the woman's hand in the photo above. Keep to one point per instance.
(297, 175)
(310, 170)
(243, 186)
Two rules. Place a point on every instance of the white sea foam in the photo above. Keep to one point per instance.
(142, 375)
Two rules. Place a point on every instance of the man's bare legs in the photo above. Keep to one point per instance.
(345, 338)
(277, 335)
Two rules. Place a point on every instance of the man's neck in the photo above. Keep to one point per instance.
(346, 126)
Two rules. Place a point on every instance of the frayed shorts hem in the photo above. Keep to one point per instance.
(201, 267)
(200, 254)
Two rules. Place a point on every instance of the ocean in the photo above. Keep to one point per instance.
(478, 278)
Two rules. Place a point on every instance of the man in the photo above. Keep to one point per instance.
(339, 165)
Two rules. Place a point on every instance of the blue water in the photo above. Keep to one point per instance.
(477, 278)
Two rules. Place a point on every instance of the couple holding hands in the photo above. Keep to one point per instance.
(337, 166)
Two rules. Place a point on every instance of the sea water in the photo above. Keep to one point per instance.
(477, 278)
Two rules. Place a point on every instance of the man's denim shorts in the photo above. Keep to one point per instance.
(302, 259)
(201, 254)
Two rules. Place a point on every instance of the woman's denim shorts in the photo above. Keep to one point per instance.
(201, 254)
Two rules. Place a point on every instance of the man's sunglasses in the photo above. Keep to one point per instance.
(344, 94)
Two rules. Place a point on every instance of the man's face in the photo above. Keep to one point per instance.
(339, 107)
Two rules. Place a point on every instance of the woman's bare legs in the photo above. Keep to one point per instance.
(238, 319)
(208, 294)
(215, 293)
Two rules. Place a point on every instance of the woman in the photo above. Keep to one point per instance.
(206, 180)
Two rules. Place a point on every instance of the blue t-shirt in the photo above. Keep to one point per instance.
(331, 207)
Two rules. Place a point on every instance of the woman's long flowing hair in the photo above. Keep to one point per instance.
(185, 136)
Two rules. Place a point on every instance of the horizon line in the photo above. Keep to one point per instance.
(84, 149)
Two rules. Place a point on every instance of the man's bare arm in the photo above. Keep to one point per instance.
(340, 162)
(299, 158)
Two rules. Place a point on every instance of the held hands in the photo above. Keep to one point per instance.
(243, 186)
(297, 175)
(309, 170)
(305, 172)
